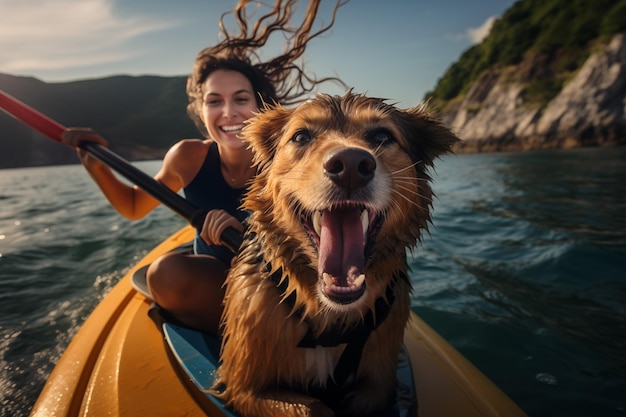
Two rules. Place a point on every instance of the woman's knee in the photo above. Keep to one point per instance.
(163, 275)
(176, 275)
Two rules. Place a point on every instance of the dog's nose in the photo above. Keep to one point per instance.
(350, 168)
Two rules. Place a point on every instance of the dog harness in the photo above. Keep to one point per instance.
(344, 375)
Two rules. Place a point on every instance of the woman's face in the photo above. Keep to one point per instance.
(227, 101)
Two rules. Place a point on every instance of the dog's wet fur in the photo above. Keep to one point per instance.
(342, 191)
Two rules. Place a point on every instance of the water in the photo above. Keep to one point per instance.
(524, 272)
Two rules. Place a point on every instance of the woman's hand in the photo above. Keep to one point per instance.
(74, 136)
(215, 222)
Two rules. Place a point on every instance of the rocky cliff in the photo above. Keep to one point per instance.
(496, 115)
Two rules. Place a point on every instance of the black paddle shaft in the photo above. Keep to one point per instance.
(195, 216)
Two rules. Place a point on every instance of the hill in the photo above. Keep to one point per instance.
(140, 116)
(551, 73)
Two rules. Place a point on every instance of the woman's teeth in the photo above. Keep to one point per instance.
(232, 128)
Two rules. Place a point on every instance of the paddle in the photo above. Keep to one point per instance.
(53, 130)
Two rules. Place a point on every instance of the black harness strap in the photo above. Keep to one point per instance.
(344, 375)
(338, 334)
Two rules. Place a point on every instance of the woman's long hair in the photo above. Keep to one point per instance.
(279, 80)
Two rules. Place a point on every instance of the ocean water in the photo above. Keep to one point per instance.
(523, 271)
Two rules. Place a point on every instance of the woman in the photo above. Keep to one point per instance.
(227, 85)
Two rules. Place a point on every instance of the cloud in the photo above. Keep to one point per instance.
(476, 35)
(58, 34)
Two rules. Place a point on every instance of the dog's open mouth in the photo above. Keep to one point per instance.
(342, 236)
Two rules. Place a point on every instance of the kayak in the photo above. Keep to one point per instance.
(123, 362)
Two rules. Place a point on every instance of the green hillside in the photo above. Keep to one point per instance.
(557, 34)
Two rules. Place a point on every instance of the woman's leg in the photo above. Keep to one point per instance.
(190, 288)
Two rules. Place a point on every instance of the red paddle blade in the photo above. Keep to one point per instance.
(31, 117)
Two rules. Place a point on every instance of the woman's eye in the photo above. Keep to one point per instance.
(301, 137)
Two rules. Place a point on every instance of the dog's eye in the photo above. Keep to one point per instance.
(301, 137)
(380, 137)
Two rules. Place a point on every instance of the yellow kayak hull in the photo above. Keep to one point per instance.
(117, 365)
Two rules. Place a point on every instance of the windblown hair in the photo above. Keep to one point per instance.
(279, 80)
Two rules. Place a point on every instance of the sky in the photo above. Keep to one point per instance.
(394, 49)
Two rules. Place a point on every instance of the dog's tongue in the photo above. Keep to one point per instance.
(342, 246)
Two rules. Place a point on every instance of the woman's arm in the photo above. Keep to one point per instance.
(129, 200)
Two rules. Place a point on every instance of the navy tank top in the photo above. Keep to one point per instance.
(209, 190)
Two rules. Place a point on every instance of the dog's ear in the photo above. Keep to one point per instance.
(427, 137)
(264, 131)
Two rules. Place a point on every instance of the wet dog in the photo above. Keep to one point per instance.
(318, 300)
